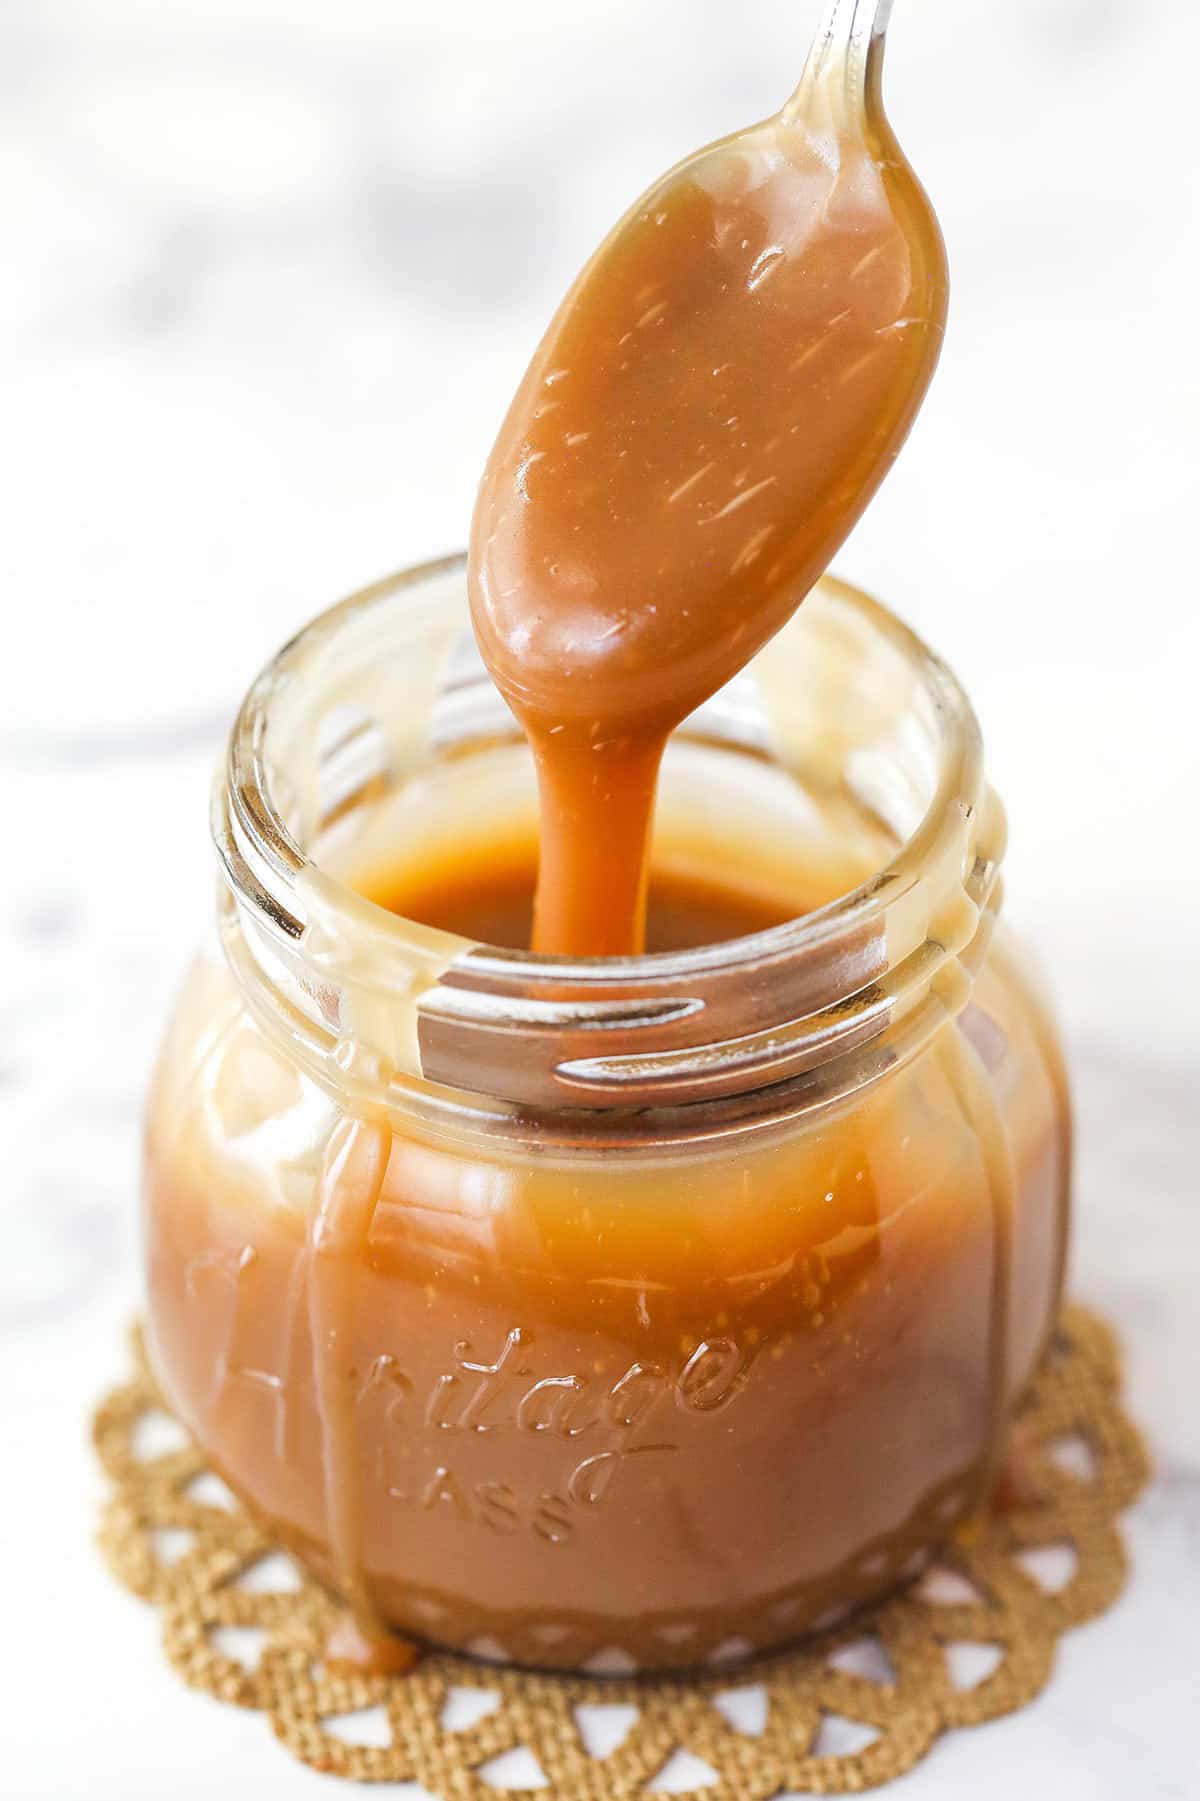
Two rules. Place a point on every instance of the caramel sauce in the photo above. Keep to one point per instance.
(491, 900)
(713, 405)
(537, 1405)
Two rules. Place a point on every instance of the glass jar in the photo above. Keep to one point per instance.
(620, 1314)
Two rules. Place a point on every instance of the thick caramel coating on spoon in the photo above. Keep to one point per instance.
(713, 405)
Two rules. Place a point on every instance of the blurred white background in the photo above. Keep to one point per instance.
(271, 271)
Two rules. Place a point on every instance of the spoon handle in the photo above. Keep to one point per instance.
(844, 38)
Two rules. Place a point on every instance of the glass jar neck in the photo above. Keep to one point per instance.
(398, 1016)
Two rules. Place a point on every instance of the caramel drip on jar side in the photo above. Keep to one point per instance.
(352, 1174)
(976, 1095)
(1050, 1052)
(717, 398)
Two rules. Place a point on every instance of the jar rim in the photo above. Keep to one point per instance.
(525, 1028)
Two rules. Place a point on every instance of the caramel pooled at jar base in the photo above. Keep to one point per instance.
(627, 1314)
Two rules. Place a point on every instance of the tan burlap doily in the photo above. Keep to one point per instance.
(975, 1638)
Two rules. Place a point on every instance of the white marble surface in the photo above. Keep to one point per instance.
(271, 270)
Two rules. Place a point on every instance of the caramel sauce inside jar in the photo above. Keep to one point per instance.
(492, 902)
(712, 407)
